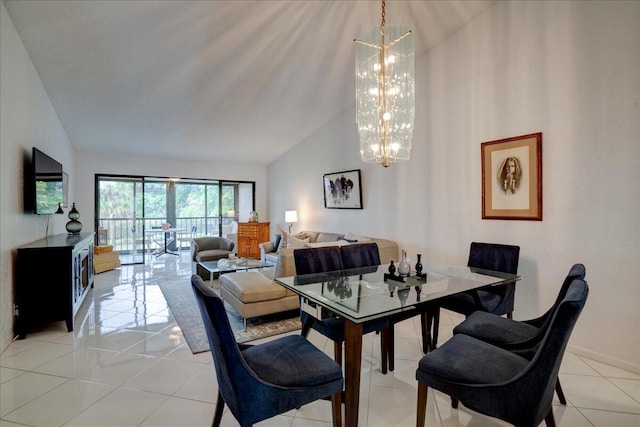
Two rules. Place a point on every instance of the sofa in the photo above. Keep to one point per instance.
(269, 254)
(210, 248)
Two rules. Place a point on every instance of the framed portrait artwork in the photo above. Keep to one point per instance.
(342, 190)
(512, 178)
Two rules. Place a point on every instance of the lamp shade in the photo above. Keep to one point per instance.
(291, 216)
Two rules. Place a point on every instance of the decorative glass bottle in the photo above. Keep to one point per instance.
(419, 265)
(74, 226)
(392, 268)
(403, 266)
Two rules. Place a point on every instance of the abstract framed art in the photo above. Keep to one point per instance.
(342, 190)
(512, 178)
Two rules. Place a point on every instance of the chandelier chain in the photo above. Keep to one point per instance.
(383, 14)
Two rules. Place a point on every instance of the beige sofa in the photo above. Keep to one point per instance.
(388, 248)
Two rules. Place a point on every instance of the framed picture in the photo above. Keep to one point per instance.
(342, 190)
(512, 178)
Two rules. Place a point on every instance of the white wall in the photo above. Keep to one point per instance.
(28, 119)
(90, 164)
(570, 70)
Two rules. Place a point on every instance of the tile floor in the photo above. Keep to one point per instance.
(127, 364)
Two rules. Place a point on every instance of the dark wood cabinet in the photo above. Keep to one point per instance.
(53, 277)
(250, 235)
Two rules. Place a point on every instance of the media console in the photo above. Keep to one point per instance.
(53, 276)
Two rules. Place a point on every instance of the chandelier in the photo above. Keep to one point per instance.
(385, 102)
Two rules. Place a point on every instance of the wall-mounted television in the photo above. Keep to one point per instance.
(47, 183)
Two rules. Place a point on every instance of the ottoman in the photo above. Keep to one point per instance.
(105, 258)
(253, 293)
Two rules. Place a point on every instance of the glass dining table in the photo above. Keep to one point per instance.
(371, 293)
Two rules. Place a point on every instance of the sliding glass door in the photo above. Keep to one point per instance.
(119, 211)
(128, 207)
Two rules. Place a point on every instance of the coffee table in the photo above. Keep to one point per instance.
(238, 264)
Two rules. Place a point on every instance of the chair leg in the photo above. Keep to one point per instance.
(306, 326)
(337, 352)
(510, 315)
(422, 405)
(454, 403)
(217, 417)
(560, 392)
(336, 409)
(549, 420)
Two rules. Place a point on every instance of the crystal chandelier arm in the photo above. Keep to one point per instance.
(398, 39)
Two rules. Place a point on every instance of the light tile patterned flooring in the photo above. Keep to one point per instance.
(127, 364)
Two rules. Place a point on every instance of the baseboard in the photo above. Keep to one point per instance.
(603, 358)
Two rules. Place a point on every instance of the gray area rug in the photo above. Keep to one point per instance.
(182, 303)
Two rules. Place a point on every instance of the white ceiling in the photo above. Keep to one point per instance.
(220, 80)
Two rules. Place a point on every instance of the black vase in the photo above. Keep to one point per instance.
(74, 226)
(392, 269)
(419, 265)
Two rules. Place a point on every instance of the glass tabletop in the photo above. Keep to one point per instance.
(233, 265)
(364, 294)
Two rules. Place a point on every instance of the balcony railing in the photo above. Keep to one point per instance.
(127, 235)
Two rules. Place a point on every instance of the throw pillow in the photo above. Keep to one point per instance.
(303, 235)
(345, 240)
(351, 236)
(283, 241)
(276, 242)
(294, 243)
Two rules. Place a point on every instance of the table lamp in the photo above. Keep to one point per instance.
(290, 217)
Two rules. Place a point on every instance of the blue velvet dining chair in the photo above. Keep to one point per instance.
(497, 382)
(497, 300)
(262, 381)
(520, 337)
(325, 260)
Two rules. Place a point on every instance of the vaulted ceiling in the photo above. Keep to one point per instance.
(223, 80)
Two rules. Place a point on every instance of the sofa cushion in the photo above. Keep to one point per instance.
(325, 244)
(251, 287)
(211, 255)
(101, 249)
(328, 237)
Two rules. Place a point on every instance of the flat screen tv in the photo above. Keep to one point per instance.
(47, 183)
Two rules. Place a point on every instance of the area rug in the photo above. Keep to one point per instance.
(182, 303)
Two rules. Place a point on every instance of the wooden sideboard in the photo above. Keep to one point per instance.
(53, 277)
(250, 235)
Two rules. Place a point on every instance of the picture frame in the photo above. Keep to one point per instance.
(342, 190)
(512, 178)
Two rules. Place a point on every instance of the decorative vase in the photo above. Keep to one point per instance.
(392, 268)
(74, 226)
(403, 295)
(403, 266)
(419, 265)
